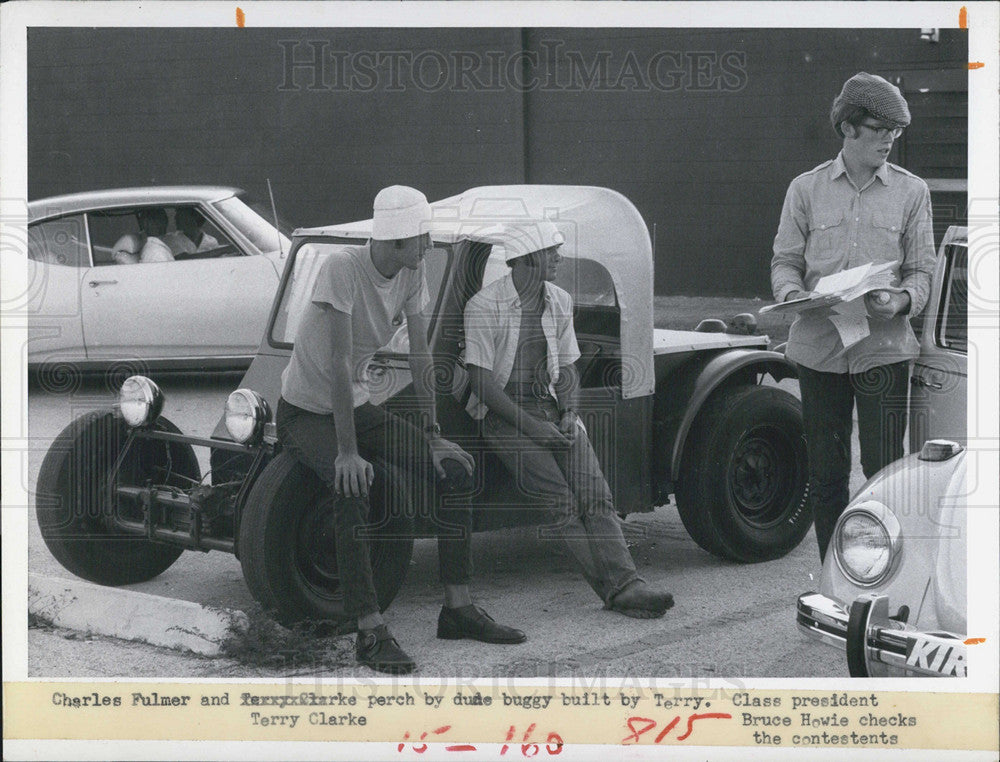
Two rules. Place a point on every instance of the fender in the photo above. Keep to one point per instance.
(678, 405)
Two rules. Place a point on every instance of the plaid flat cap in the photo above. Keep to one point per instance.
(878, 96)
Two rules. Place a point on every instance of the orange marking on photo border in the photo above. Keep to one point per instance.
(963, 18)
(241, 17)
(974, 641)
(976, 64)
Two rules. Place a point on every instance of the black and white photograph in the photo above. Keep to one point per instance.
(520, 351)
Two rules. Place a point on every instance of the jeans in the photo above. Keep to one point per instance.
(828, 400)
(381, 436)
(573, 489)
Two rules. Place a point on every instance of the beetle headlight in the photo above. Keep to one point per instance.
(140, 401)
(867, 541)
(246, 414)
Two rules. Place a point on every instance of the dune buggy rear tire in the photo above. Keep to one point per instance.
(75, 511)
(287, 544)
(742, 487)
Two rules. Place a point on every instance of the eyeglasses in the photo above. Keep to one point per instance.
(882, 131)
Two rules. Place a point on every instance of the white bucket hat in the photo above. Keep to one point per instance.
(400, 212)
(528, 236)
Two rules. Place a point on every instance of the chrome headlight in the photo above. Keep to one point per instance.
(246, 414)
(867, 542)
(140, 401)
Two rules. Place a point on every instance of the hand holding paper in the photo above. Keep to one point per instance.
(841, 287)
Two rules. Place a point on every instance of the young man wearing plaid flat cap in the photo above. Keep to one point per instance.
(520, 347)
(326, 419)
(853, 210)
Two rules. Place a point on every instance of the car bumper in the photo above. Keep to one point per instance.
(875, 645)
(192, 516)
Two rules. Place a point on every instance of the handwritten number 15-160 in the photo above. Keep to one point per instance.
(553, 745)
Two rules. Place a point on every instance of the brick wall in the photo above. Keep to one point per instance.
(111, 108)
(702, 129)
(709, 162)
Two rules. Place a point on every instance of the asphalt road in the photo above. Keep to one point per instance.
(731, 621)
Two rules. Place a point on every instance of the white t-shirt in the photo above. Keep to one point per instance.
(155, 250)
(126, 249)
(348, 282)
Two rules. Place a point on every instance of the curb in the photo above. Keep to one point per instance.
(131, 615)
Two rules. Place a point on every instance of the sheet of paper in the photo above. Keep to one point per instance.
(845, 279)
(852, 328)
(853, 307)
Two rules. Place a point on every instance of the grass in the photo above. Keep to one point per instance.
(685, 312)
(39, 622)
(263, 643)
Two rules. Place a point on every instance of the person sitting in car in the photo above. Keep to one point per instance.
(147, 245)
(189, 238)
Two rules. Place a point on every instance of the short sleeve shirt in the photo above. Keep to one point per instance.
(126, 249)
(348, 282)
(155, 250)
(492, 328)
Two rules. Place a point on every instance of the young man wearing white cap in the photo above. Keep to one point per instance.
(854, 210)
(326, 419)
(520, 347)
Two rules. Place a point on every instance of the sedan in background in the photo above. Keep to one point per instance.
(110, 289)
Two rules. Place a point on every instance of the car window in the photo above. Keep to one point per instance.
(298, 287)
(953, 325)
(435, 265)
(60, 242)
(258, 231)
(212, 241)
(588, 281)
(113, 228)
(106, 228)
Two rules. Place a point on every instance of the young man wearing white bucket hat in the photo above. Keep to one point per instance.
(326, 419)
(520, 348)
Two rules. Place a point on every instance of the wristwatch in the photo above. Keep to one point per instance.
(432, 429)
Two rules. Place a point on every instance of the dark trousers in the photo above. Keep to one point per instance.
(382, 437)
(828, 401)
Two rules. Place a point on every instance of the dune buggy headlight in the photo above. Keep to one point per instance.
(246, 414)
(867, 542)
(140, 401)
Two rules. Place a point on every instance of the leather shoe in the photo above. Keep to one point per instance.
(474, 623)
(376, 648)
(639, 602)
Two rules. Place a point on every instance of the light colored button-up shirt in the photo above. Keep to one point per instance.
(492, 327)
(828, 224)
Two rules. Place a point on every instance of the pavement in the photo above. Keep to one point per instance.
(730, 620)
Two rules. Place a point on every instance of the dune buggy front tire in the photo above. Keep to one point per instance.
(287, 544)
(742, 487)
(75, 504)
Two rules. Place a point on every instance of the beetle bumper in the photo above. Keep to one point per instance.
(875, 645)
